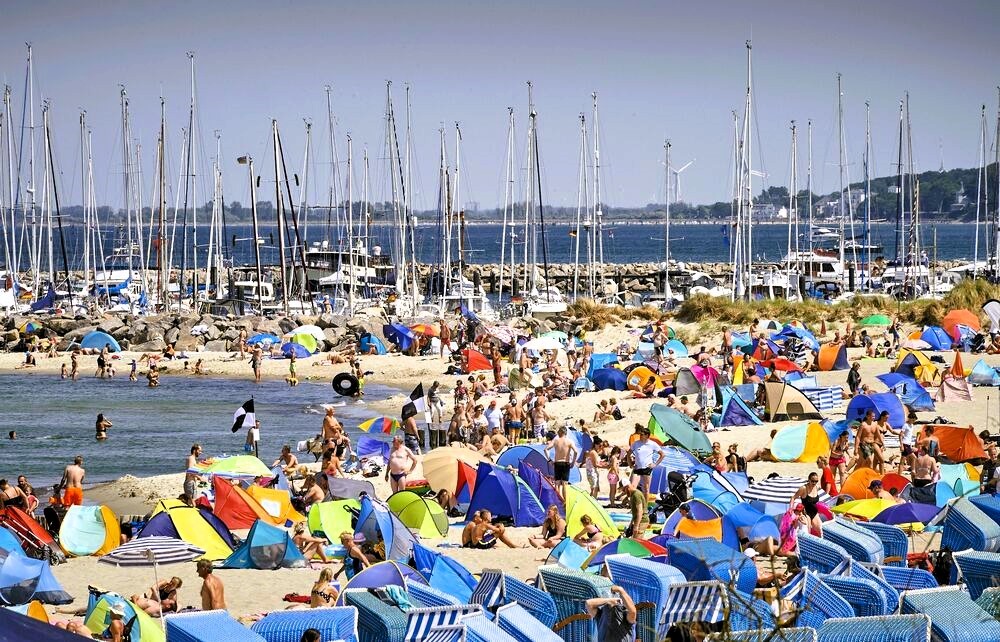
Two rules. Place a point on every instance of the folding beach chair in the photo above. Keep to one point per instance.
(954, 616)
(903, 578)
(333, 623)
(890, 628)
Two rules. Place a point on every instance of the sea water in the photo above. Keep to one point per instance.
(154, 428)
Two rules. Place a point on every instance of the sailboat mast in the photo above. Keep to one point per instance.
(508, 194)
(748, 173)
(841, 161)
(809, 181)
(33, 222)
(900, 195)
(597, 272)
(980, 187)
(280, 211)
(408, 203)
(55, 203)
(666, 223)
(996, 222)
(530, 241)
(15, 265)
(47, 175)
(83, 196)
(792, 220)
(868, 195)
(541, 209)
(455, 226)
(581, 187)
(193, 164)
(350, 223)
(163, 253)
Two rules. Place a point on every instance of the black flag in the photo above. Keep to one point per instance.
(416, 404)
(244, 416)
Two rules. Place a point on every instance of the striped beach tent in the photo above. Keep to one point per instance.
(778, 491)
(829, 398)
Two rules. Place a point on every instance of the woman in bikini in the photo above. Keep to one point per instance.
(553, 530)
(12, 496)
(590, 537)
(613, 476)
(310, 546)
(101, 427)
(322, 593)
(355, 559)
(838, 456)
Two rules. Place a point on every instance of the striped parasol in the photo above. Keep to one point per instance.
(385, 425)
(147, 550)
(426, 329)
(779, 490)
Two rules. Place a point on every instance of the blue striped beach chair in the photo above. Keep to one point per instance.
(522, 626)
(377, 621)
(862, 545)
(703, 559)
(903, 578)
(890, 628)
(694, 602)
(647, 584)
(954, 616)
(861, 571)
(207, 626)
(478, 628)
(429, 596)
(787, 634)
(968, 527)
(989, 504)
(895, 544)
(979, 570)
(496, 588)
(863, 595)
(571, 589)
(333, 623)
(820, 555)
(815, 601)
(423, 622)
(989, 601)
(747, 612)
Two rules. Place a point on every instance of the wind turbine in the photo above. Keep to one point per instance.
(677, 179)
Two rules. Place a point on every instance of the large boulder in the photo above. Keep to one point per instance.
(64, 325)
(172, 335)
(113, 326)
(157, 344)
(286, 325)
(217, 346)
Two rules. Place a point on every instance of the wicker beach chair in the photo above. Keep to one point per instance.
(424, 623)
(891, 628)
(523, 626)
(863, 595)
(205, 626)
(821, 555)
(989, 601)
(954, 616)
(968, 527)
(333, 623)
(705, 559)
(694, 602)
(862, 545)
(862, 571)
(430, 596)
(895, 544)
(788, 634)
(989, 504)
(903, 578)
(479, 628)
(979, 570)
(815, 600)
(747, 612)
(647, 584)
(496, 588)
(377, 621)
(571, 589)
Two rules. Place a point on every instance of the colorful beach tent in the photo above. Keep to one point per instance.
(800, 333)
(98, 618)
(953, 389)
(804, 442)
(784, 402)
(707, 560)
(195, 526)
(609, 379)
(640, 376)
(959, 444)
(533, 454)
(300, 351)
(600, 360)
(863, 509)
(369, 341)
(452, 468)
(877, 402)
(8, 542)
(474, 360)
(875, 320)
(678, 348)
(506, 496)
(380, 576)
(916, 364)
(963, 479)
(377, 523)
(331, 519)
(266, 547)
(34, 539)
(277, 504)
(238, 466)
(909, 391)
(735, 411)
(857, 483)
(580, 503)
(305, 340)
(714, 488)
(961, 316)
(23, 579)
(743, 521)
(832, 356)
(89, 530)
(568, 554)
(984, 375)
(541, 486)
(668, 424)
(685, 383)
(237, 509)
(96, 340)
(936, 337)
(264, 339)
(419, 514)
(18, 626)
(444, 573)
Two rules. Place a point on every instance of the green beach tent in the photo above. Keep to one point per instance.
(875, 320)
(305, 340)
(580, 503)
(425, 517)
(669, 425)
(238, 466)
(330, 519)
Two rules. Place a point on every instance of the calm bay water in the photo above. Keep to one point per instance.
(154, 428)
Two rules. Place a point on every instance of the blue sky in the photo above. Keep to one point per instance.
(662, 70)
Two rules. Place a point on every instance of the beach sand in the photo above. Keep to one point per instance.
(251, 592)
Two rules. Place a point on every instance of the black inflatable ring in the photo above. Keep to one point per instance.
(346, 385)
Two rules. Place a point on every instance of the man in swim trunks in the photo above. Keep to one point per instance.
(564, 454)
(72, 483)
(865, 446)
(924, 468)
(190, 479)
(331, 426)
(401, 463)
(539, 418)
(513, 415)
(648, 454)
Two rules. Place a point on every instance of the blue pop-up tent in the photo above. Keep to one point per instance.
(96, 340)
(23, 579)
(444, 573)
(743, 520)
(984, 375)
(541, 486)
(936, 338)
(600, 360)
(789, 331)
(878, 402)
(376, 522)
(735, 411)
(533, 455)
(609, 379)
(266, 547)
(369, 341)
(908, 390)
(399, 334)
(505, 495)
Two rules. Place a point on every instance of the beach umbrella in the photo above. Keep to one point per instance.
(30, 327)
(778, 490)
(398, 334)
(263, 339)
(610, 379)
(451, 468)
(385, 425)
(641, 548)
(147, 550)
(314, 331)
(909, 513)
(865, 509)
(307, 341)
(875, 320)
(504, 334)
(782, 364)
(426, 329)
(960, 316)
(238, 466)
(540, 344)
(299, 350)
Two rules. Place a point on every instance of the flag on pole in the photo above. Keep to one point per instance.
(244, 416)
(416, 404)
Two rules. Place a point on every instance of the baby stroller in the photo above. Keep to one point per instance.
(678, 492)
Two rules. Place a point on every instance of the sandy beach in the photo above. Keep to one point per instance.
(254, 592)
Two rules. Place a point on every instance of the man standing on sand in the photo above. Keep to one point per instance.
(445, 337)
(648, 455)
(401, 463)
(213, 595)
(72, 483)
(256, 358)
(639, 507)
(925, 468)
(865, 447)
(331, 427)
(564, 455)
(190, 479)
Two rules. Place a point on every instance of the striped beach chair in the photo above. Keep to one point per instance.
(478, 628)
(861, 571)
(429, 596)
(647, 584)
(571, 589)
(862, 545)
(424, 623)
(496, 588)
(821, 555)
(979, 570)
(903, 578)
(989, 504)
(968, 527)
(377, 621)
(333, 623)
(890, 628)
(787, 634)
(815, 601)
(694, 602)
(863, 595)
(895, 544)
(522, 626)
(206, 626)
(954, 616)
